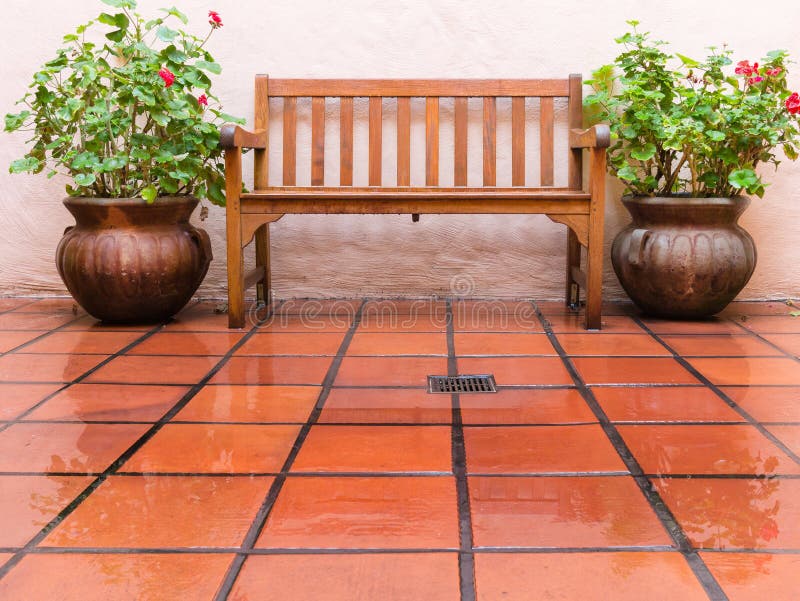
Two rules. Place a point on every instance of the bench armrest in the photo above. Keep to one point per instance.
(597, 136)
(233, 136)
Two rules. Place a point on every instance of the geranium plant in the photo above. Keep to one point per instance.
(129, 113)
(701, 128)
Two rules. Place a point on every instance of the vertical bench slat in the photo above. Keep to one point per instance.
(289, 141)
(575, 121)
(546, 152)
(404, 141)
(490, 141)
(460, 142)
(375, 137)
(432, 141)
(261, 161)
(346, 142)
(318, 141)
(518, 141)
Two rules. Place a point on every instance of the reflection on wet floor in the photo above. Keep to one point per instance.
(303, 459)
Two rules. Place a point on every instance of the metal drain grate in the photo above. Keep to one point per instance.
(461, 384)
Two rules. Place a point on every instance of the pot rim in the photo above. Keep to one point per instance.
(686, 200)
(161, 201)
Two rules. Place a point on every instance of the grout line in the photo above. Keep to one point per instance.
(660, 508)
(260, 520)
(760, 337)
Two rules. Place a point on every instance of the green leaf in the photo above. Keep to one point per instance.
(85, 179)
(28, 164)
(715, 135)
(14, 122)
(176, 13)
(644, 153)
(116, 36)
(689, 62)
(209, 66)
(790, 152)
(794, 313)
(131, 4)
(742, 178)
(149, 194)
(165, 34)
(107, 19)
(627, 173)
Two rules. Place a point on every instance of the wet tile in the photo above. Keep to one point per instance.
(154, 370)
(540, 449)
(773, 324)
(17, 398)
(406, 343)
(281, 343)
(611, 324)
(788, 435)
(65, 305)
(735, 513)
(28, 503)
(789, 343)
(215, 449)
(664, 404)
(314, 324)
(719, 345)
(314, 307)
(188, 343)
(234, 403)
(364, 513)
(46, 368)
(110, 402)
(511, 371)
(205, 317)
(467, 344)
(352, 577)
(375, 449)
(756, 576)
(526, 406)
(738, 308)
(403, 323)
(660, 576)
(87, 323)
(714, 325)
(386, 405)
(478, 320)
(163, 511)
(12, 339)
(273, 370)
(618, 370)
(389, 371)
(33, 321)
(65, 447)
(385, 308)
(749, 371)
(598, 343)
(99, 577)
(10, 304)
(700, 449)
(768, 404)
(84, 343)
(581, 512)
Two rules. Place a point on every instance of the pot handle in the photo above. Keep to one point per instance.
(203, 241)
(638, 241)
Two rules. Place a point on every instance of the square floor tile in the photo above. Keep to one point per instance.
(632, 576)
(773, 324)
(314, 324)
(599, 343)
(239, 403)
(405, 343)
(205, 317)
(154, 370)
(375, 449)
(10, 304)
(768, 403)
(47, 447)
(756, 576)
(87, 323)
(46, 368)
(389, 371)
(403, 323)
(294, 343)
(12, 339)
(714, 325)
(540, 449)
(110, 402)
(514, 371)
(386, 307)
(735, 513)
(610, 324)
(748, 308)
(580, 512)
(33, 321)
(215, 449)
(316, 307)
(351, 577)
(700, 449)
(664, 404)
(163, 511)
(28, 503)
(386, 405)
(618, 370)
(788, 435)
(526, 406)
(789, 343)
(17, 398)
(749, 371)
(720, 345)
(273, 370)
(478, 344)
(65, 305)
(188, 343)
(100, 577)
(364, 513)
(83, 343)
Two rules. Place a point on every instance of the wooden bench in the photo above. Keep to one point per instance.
(580, 209)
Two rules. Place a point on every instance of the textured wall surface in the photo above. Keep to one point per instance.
(326, 256)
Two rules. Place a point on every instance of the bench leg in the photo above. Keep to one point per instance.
(235, 278)
(572, 295)
(264, 287)
(594, 267)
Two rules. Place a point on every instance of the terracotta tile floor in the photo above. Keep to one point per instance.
(303, 459)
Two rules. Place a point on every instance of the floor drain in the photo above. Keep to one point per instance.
(461, 384)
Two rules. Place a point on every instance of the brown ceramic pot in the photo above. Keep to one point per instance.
(126, 261)
(683, 257)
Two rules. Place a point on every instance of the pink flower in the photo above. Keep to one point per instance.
(744, 68)
(202, 100)
(214, 19)
(774, 72)
(167, 76)
(756, 79)
(793, 103)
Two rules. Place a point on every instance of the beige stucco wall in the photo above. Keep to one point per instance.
(388, 255)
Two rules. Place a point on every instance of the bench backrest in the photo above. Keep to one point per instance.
(344, 90)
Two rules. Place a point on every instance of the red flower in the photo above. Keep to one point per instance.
(214, 19)
(793, 103)
(167, 76)
(202, 100)
(756, 79)
(774, 72)
(744, 68)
